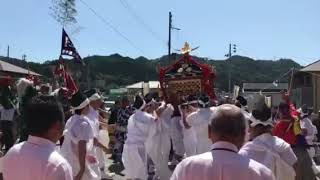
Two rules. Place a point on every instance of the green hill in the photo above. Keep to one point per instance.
(116, 70)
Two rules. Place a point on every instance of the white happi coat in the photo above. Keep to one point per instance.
(134, 150)
(93, 116)
(221, 163)
(272, 152)
(78, 128)
(199, 121)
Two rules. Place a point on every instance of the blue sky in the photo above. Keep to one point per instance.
(263, 29)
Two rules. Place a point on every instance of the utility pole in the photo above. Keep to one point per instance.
(8, 52)
(229, 55)
(232, 50)
(170, 29)
(169, 42)
(24, 56)
(88, 75)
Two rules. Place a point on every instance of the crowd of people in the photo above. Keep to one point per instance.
(209, 142)
(59, 131)
(60, 137)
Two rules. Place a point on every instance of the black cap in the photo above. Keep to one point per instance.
(77, 99)
(204, 101)
(192, 98)
(138, 102)
(91, 92)
(304, 108)
(262, 114)
(148, 97)
(242, 100)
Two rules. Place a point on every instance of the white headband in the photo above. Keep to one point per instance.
(81, 106)
(151, 102)
(255, 122)
(303, 114)
(244, 107)
(147, 104)
(94, 97)
(193, 102)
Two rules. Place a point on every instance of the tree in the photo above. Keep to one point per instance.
(64, 11)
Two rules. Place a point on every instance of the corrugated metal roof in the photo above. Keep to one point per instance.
(313, 67)
(268, 86)
(7, 67)
(139, 85)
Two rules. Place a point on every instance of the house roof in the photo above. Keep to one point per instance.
(264, 86)
(139, 85)
(7, 67)
(313, 67)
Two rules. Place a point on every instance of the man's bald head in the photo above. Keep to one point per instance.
(228, 124)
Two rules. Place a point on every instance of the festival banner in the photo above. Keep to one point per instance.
(68, 49)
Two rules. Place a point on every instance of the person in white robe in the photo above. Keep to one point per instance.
(199, 121)
(269, 150)
(227, 132)
(309, 131)
(134, 155)
(78, 145)
(158, 143)
(95, 103)
(189, 135)
(152, 143)
(176, 136)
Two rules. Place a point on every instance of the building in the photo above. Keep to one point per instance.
(143, 87)
(116, 94)
(306, 86)
(270, 90)
(100, 83)
(7, 69)
(9, 73)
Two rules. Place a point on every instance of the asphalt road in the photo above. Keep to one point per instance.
(118, 169)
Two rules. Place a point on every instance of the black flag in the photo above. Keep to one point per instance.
(68, 49)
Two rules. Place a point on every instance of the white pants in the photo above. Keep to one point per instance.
(104, 139)
(158, 148)
(203, 145)
(101, 157)
(177, 136)
(189, 141)
(135, 161)
(96, 167)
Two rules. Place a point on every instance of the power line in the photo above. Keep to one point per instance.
(135, 15)
(107, 23)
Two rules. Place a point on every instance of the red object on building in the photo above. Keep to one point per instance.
(186, 77)
(6, 81)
